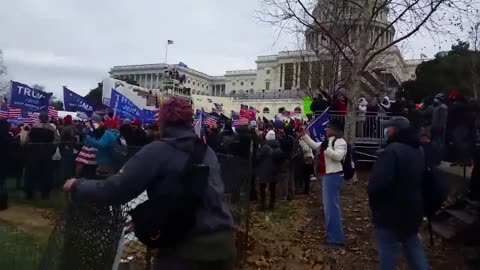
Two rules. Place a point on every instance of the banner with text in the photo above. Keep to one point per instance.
(317, 128)
(124, 107)
(29, 99)
(149, 116)
(73, 102)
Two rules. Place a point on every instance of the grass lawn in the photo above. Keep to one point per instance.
(57, 201)
(18, 250)
(25, 228)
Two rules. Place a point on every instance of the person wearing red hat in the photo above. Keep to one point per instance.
(67, 138)
(181, 176)
(104, 146)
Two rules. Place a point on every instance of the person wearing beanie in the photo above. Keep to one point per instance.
(270, 160)
(159, 169)
(395, 196)
(332, 152)
(104, 146)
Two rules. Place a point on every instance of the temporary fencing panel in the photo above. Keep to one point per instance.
(88, 236)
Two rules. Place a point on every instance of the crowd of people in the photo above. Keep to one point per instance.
(283, 156)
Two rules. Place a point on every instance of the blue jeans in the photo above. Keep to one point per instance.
(388, 247)
(331, 185)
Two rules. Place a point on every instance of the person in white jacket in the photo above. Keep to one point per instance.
(332, 153)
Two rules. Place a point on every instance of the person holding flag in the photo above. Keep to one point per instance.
(332, 151)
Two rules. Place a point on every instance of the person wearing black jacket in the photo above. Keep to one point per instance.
(7, 146)
(321, 103)
(39, 152)
(395, 196)
(287, 145)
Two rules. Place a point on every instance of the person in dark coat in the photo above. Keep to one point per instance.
(39, 152)
(7, 146)
(156, 169)
(269, 160)
(66, 147)
(321, 103)
(395, 196)
(227, 138)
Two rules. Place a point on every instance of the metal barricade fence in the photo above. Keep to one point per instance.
(369, 132)
(90, 236)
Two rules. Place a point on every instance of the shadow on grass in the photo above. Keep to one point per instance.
(57, 200)
(19, 251)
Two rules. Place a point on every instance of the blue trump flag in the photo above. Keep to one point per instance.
(124, 107)
(317, 128)
(149, 116)
(29, 99)
(73, 102)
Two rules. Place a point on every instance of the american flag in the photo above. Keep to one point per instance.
(14, 113)
(52, 112)
(3, 112)
(31, 119)
(242, 121)
(210, 121)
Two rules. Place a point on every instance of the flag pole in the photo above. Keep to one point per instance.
(166, 53)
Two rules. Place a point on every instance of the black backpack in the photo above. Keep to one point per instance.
(348, 162)
(163, 221)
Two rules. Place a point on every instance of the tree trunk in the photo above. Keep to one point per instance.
(354, 88)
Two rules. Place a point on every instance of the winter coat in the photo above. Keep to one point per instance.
(439, 117)
(156, 169)
(362, 111)
(395, 187)
(7, 146)
(227, 139)
(40, 147)
(104, 146)
(334, 154)
(269, 166)
(307, 151)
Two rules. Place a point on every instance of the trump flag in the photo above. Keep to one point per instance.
(124, 107)
(73, 102)
(29, 99)
(317, 128)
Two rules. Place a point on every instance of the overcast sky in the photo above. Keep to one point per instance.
(75, 43)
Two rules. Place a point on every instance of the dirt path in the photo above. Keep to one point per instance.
(35, 222)
(292, 237)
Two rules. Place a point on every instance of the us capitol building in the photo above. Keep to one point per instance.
(286, 75)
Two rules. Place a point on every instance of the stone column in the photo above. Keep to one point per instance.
(294, 84)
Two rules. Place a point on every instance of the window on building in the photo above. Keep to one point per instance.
(207, 86)
(241, 83)
(233, 83)
(266, 110)
(413, 76)
(193, 92)
(188, 81)
(251, 83)
(251, 91)
(297, 110)
(281, 110)
(203, 85)
(268, 71)
(267, 86)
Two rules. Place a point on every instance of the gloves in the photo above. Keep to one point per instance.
(324, 145)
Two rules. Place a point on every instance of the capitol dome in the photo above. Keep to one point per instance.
(337, 16)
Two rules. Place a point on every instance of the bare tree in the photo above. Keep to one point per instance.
(3, 75)
(474, 35)
(362, 30)
(38, 87)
